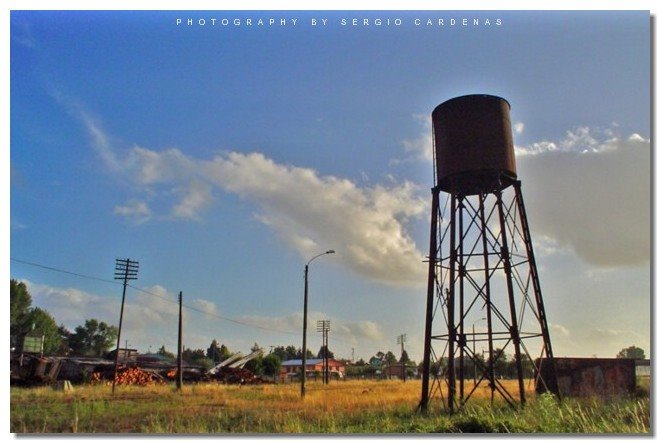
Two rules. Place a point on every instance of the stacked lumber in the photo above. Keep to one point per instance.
(129, 376)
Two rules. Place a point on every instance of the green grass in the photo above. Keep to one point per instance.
(342, 407)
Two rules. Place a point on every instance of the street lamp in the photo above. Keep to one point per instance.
(304, 343)
(474, 349)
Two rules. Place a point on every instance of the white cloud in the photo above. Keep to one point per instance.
(546, 246)
(196, 199)
(206, 306)
(519, 128)
(579, 140)
(422, 146)
(536, 148)
(150, 314)
(137, 211)
(366, 225)
(363, 329)
(594, 197)
(72, 306)
(347, 331)
(99, 139)
(588, 192)
(600, 341)
(558, 330)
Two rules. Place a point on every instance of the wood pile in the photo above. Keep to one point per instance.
(130, 376)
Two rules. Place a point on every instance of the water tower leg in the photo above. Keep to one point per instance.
(450, 307)
(551, 378)
(430, 297)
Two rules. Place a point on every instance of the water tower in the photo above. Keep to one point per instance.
(484, 301)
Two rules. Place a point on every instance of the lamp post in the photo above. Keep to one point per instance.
(304, 343)
(474, 349)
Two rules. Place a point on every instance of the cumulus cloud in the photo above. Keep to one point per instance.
(362, 329)
(600, 342)
(206, 306)
(71, 306)
(421, 147)
(150, 314)
(592, 196)
(137, 211)
(588, 192)
(579, 140)
(349, 331)
(197, 197)
(366, 225)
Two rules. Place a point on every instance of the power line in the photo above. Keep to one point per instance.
(50, 268)
(192, 308)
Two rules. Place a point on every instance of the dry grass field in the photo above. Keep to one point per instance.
(356, 407)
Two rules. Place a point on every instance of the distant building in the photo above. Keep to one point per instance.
(291, 368)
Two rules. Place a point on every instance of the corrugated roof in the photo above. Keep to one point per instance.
(298, 362)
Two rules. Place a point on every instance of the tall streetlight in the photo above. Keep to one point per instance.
(304, 343)
(474, 349)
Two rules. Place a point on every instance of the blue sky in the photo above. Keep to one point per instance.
(224, 157)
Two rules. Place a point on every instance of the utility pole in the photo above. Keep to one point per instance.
(179, 358)
(324, 327)
(125, 270)
(401, 339)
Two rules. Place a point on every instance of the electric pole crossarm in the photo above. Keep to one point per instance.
(125, 270)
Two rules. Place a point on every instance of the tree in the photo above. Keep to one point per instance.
(165, 353)
(527, 366)
(23, 319)
(213, 351)
(281, 353)
(501, 363)
(404, 357)
(298, 354)
(217, 353)
(225, 353)
(292, 353)
(65, 337)
(20, 302)
(45, 324)
(632, 352)
(390, 358)
(271, 365)
(94, 338)
(196, 357)
(321, 355)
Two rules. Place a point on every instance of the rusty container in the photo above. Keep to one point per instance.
(473, 144)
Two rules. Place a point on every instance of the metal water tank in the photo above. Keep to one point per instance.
(473, 144)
